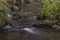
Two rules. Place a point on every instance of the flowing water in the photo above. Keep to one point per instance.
(30, 34)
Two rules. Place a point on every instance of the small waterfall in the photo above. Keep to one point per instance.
(7, 27)
(9, 15)
(31, 30)
(28, 30)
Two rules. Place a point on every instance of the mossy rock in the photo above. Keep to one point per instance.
(14, 8)
(55, 26)
(27, 13)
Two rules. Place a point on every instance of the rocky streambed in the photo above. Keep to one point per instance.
(25, 28)
(21, 29)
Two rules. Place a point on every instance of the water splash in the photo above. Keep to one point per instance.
(7, 27)
(31, 30)
(9, 15)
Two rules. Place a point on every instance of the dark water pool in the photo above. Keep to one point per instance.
(44, 35)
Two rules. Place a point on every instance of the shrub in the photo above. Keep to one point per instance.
(3, 12)
(50, 9)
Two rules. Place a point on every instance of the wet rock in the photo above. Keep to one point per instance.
(42, 25)
(34, 25)
(16, 17)
(7, 28)
(19, 16)
(10, 24)
(12, 9)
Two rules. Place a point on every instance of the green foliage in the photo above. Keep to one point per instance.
(3, 6)
(3, 12)
(15, 7)
(50, 8)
